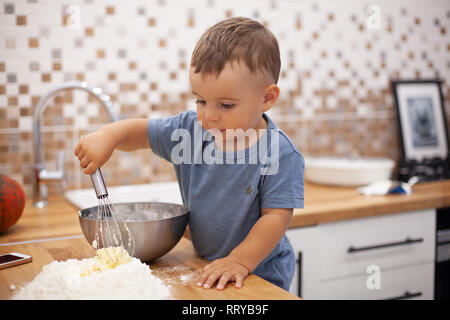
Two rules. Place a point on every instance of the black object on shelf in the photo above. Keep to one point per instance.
(431, 169)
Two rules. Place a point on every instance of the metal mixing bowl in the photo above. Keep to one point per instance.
(156, 226)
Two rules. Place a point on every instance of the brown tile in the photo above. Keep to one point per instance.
(89, 32)
(69, 121)
(79, 76)
(151, 22)
(23, 89)
(46, 77)
(110, 10)
(25, 112)
(111, 76)
(162, 43)
(57, 66)
(12, 101)
(191, 22)
(128, 87)
(4, 157)
(33, 42)
(2, 89)
(132, 65)
(25, 136)
(100, 53)
(13, 123)
(2, 66)
(35, 100)
(21, 20)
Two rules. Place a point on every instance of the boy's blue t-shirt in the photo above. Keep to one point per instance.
(225, 191)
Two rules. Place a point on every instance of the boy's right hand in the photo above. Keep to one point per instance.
(93, 150)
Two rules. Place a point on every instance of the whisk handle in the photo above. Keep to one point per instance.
(99, 184)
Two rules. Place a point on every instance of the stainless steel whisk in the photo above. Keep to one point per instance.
(110, 230)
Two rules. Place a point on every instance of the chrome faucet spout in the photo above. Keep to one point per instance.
(40, 174)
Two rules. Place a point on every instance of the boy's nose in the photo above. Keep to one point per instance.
(211, 116)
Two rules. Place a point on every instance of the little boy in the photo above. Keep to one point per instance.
(239, 209)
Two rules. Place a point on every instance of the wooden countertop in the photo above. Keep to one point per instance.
(54, 233)
(322, 204)
(179, 269)
(327, 204)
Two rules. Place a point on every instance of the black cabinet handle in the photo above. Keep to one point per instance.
(352, 249)
(407, 295)
(299, 261)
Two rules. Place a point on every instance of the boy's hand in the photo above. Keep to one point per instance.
(93, 150)
(224, 270)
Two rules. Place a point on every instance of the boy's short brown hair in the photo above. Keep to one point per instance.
(237, 39)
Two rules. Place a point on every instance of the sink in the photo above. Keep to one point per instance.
(152, 192)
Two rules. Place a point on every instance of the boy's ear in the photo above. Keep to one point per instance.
(271, 94)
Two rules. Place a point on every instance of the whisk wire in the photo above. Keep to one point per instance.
(109, 233)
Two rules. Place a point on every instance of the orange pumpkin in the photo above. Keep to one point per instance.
(12, 202)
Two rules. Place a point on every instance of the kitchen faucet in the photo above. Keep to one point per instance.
(41, 175)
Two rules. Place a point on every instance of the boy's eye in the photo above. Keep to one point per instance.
(227, 105)
(200, 101)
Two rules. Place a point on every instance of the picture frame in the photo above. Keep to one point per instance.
(421, 119)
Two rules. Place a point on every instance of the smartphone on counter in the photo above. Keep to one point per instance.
(13, 259)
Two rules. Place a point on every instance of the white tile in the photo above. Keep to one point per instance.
(25, 123)
(24, 100)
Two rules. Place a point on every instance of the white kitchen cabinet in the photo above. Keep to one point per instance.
(349, 247)
(335, 256)
(303, 241)
(413, 282)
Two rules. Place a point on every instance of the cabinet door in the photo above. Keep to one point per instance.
(348, 247)
(414, 282)
(303, 242)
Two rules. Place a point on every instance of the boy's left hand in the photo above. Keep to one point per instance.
(224, 270)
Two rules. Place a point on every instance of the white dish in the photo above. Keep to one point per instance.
(347, 171)
(152, 192)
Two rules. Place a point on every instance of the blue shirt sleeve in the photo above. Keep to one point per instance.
(160, 132)
(285, 189)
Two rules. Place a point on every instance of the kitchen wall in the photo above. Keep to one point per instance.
(337, 60)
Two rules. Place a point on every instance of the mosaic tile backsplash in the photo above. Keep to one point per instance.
(337, 60)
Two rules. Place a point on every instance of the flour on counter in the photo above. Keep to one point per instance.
(180, 275)
(64, 281)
